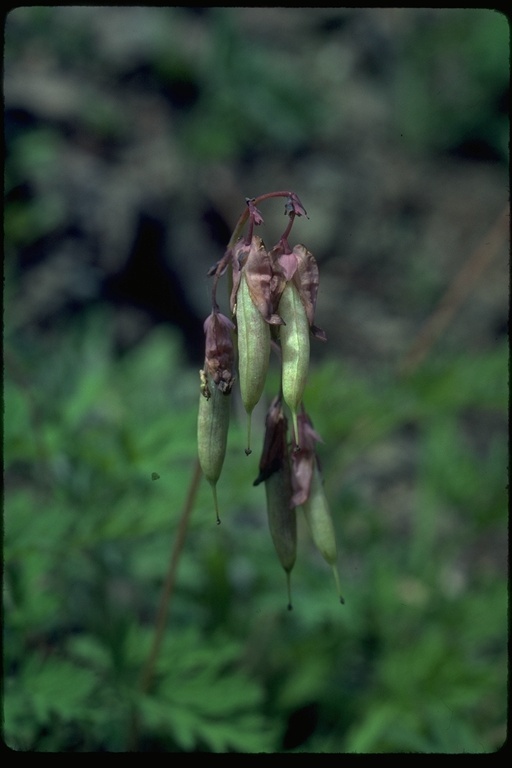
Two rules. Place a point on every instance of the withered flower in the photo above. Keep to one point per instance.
(284, 261)
(300, 267)
(306, 279)
(219, 350)
(303, 460)
(255, 264)
(274, 452)
(294, 206)
(254, 213)
(275, 472)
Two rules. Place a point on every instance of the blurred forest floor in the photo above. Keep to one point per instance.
(135, 136)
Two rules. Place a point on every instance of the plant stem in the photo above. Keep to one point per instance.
(245, 215)
(466, 279)
(166, 594)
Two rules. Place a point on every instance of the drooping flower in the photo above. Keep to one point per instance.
(219, 350)
(254, 213)
(294, 206)
(274, 452)
(303, 460)
(253, 261)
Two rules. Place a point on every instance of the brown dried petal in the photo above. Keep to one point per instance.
(279, 279)
(254, 213)
(275, 449)
(318, 333)
(303, 460)
(294, 205)
(306, 279)
(219, 350)
(288, 263)
(240, 254)
(259, 274)
(303, 464)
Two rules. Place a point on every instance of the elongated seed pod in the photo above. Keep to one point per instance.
(212, 432)
(294, 337)
(282, 520)
(319, 520)
(253, 352)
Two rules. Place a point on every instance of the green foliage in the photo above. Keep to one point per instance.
(204, 700)
(415, 660)
(458, 61)
(83, 522)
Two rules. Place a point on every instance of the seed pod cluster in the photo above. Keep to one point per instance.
(272, 300)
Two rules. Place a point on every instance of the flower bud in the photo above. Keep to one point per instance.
(212, 431)
(294, 335)
(318, 518)
(253, 352)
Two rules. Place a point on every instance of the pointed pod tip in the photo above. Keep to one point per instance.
(295, 425)
(289, 588)
(338, 585)
(248, 450)
(215, 502)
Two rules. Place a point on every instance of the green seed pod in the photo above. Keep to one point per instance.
(253, 352)
(294, 337)
(212, 432)
(282, 520)
(319, 520)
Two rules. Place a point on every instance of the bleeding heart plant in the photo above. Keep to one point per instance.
(272, 302)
